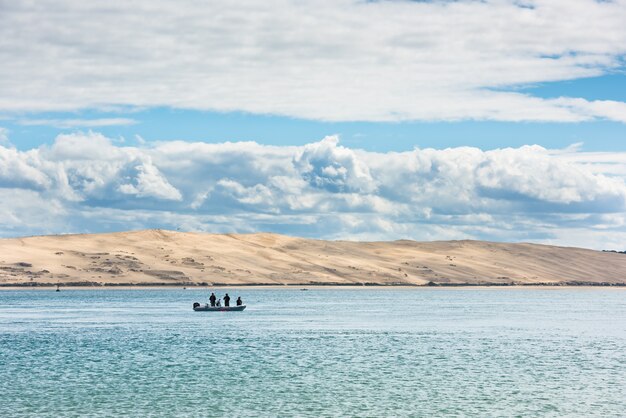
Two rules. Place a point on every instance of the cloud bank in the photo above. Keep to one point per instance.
(339, 60)
(84, 182)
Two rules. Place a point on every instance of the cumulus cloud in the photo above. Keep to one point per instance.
(21, 170)
(339, 60)
(88, 168)
(321, 189)
(532, 173)
(326, 165)
(145, 180)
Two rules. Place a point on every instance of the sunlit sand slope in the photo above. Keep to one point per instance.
(156, 257)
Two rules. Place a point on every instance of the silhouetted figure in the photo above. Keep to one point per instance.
(226, 300)
(239, 301)
(212, 299)
(219, 303)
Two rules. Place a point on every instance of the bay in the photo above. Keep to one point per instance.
(322, 352)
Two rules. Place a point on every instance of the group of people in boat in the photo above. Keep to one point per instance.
(218, 302)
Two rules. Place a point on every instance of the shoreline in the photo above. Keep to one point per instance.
(460, 286)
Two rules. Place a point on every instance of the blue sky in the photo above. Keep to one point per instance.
(166, 123)
(251, 117)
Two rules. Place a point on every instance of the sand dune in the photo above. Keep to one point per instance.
(157, 257)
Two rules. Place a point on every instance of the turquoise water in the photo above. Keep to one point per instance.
(324, 352)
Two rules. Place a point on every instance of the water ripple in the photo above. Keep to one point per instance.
(318, 353)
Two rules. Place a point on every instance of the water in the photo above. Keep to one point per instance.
(324, 352)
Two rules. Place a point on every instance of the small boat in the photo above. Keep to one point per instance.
(208, 308)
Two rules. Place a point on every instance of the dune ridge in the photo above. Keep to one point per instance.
(159, 257)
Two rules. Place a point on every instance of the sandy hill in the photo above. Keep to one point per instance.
(175, 258)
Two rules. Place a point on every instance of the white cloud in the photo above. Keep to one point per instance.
(147, 181)
(320, 189)
(339, 60)
(23, 170)
(527, 170)
(326, 165)
(88, 168)
(27, 212)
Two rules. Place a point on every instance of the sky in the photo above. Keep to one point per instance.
(496, 120)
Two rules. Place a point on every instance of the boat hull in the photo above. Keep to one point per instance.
(208, 308)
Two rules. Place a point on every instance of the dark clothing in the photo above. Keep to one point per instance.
(212, 299)
(239, 302)
(226, 300)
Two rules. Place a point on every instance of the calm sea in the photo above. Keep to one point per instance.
(321, 352)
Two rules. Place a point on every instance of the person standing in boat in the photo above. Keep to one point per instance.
(239, 301)
(226, 300)
(212, 299)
